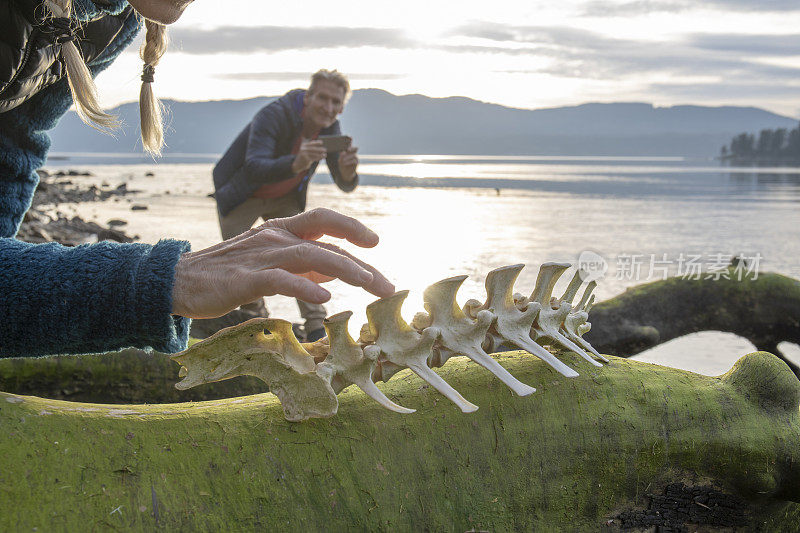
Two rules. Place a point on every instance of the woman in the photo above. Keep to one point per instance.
(107, 296)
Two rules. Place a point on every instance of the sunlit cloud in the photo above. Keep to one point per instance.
(724, 89)
(292, 76)
(773, 45)
(562, 36)
(248, 39)
(519, 53)
(606, 8)
(754, 5)
(583, 53)
(602, 8)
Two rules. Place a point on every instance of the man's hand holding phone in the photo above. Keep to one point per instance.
(348, 161)
(309, 153)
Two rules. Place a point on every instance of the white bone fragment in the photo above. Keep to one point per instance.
(472, 307)
(461, 335)
(421, 321)
(575, 325)
(549, 320)
(493, 342)
(585, 299)
(366, 335)
(574, 285)
(402, 346)
(278, 359)
(346, 363)
(519, 300)
(584, 328)
(546, 281)
(590, 304)
(513, 324)
(576, 322)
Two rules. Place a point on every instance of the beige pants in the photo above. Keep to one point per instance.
(242, 219)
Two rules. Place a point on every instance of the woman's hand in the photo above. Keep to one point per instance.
(282, 256)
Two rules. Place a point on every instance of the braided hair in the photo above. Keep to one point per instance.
(84, 90)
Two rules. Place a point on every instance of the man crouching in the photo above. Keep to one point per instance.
(266, 171)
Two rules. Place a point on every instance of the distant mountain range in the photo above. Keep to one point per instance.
(383, 123)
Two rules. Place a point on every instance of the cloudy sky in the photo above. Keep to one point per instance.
(520, 53)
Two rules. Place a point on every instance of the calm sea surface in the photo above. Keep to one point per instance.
(440, 216)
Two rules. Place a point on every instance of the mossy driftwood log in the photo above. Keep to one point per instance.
(628, 444)
(765, 310)
(127, 376)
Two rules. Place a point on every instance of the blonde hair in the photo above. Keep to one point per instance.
(153, 47)
(84, 91)
(79, 79)
(333, 76)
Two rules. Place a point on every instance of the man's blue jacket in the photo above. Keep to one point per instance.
(262, 154)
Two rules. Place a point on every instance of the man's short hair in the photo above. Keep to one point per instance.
(333, 76)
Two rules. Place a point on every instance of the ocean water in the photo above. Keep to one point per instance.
(440, 216)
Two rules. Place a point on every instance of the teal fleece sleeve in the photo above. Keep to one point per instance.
(91, 298)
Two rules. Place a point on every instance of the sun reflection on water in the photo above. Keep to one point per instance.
(428, 234)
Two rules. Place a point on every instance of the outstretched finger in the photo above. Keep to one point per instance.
(313, 224)
(310, 256)
(379, 286)
(277, 281)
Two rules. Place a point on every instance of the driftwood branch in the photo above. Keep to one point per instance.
(765, 311)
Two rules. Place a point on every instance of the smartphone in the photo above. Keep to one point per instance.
(335, 143)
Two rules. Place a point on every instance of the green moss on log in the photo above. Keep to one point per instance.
(573, 456)
(765, 310)
(127, 376)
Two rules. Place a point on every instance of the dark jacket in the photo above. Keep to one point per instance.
(261, 154)
(55, 299)
(30, 46)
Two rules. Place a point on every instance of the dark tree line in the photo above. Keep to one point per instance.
(770, 145)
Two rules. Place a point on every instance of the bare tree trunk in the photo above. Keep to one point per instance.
(766, 311)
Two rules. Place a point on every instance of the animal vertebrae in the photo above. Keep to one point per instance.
(307, 377)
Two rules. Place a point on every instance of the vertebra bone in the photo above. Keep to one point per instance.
(276, 358)
(347, 363)
(549, 320)
(512, 324)
(575, 323)
(399, 344)
(461, 335)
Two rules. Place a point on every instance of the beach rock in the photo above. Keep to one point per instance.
(42, 223)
